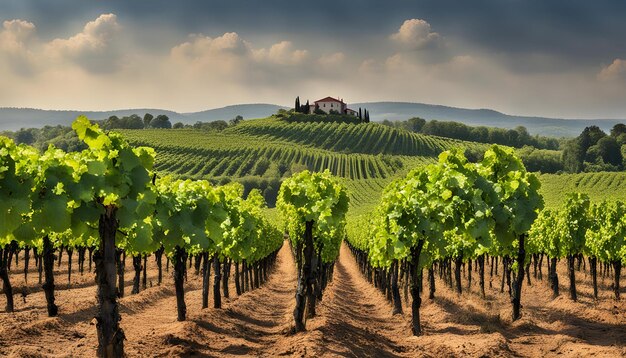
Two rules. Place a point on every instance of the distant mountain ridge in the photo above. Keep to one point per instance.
(16, 118)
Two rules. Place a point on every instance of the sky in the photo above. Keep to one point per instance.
(557, 58)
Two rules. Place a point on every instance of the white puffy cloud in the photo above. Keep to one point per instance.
(416, 34)
(614, 71)
(282, 53)
(200, 46)
(94, 49)
(230, 51)
(15, 38)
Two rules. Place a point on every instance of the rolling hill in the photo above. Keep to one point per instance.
(259, 153)
(15, 118)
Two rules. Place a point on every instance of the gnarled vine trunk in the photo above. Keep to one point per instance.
(120, 272)
(206, 275)
(519, 280)
(593, 264)
(303, 277)
(572, 276)
(481, 273)
(217, 298)
(415, 288)
(180, 257)
(48, 286)
(110, 334)
(4, 275)
(137, 277)
(397, 303)
(554, 277)
(617, 267)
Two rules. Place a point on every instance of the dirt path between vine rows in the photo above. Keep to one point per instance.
(354, 320)
(250, 325)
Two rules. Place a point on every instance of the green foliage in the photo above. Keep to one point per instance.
(15, 185)
(573, 223)
(318, 198)
(593, 151)
(452, 208)
(605, 238)
(63, 195)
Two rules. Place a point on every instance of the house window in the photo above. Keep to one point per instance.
(324, 104)
(332, 105)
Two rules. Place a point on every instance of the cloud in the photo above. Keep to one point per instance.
(281, 53)
(201, 46)
(614, 71)
(94, 49)
(222, 56)
(416, 34)
(15, 38)
(230, 57)
(332, 61)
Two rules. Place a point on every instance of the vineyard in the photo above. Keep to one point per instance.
(392, 243)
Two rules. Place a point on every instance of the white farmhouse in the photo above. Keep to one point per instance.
(332, 104)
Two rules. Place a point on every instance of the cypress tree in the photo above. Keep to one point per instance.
(360, 114)
(297, 108)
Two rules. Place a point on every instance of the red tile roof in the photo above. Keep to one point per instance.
(328, 99)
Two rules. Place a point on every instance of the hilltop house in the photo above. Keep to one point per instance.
(332, 104)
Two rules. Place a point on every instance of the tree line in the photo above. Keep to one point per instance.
(516, 138)
(593, 150)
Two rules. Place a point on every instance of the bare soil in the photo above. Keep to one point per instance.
(354, 319)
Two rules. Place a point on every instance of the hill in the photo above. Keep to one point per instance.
(259, 153)
(16, 118)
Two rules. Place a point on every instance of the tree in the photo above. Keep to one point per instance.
(573, 156)
(618, 129)
(297, 106)
(590, 136)
(25, 136)
(112, 122)
(235, 121)
(609, 150)
(147, 118)
(161, 121)
(415, 124)
(178, 125)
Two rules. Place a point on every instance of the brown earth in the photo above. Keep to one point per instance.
(354, 319)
